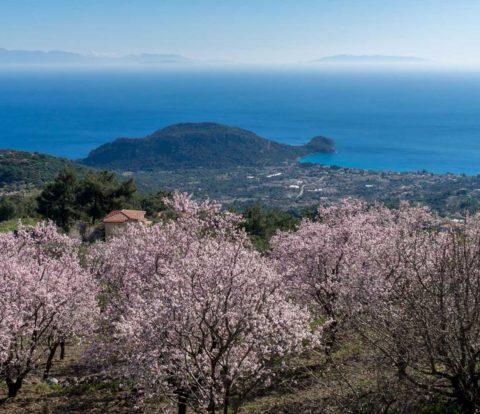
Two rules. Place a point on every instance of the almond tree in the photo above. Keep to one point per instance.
(409, 286)
(323, 259)
(428, 325)
(199, 315)
(45, 297)
(338, 263)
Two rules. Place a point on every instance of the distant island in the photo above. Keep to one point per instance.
(56, 57)
(370, 59)
(193, 145)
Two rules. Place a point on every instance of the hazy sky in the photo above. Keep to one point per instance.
(250, 31)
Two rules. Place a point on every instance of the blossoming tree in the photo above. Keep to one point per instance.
(45, 298)
(427, 326)
(199, 314)
(338, 263)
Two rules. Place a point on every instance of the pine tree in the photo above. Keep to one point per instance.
(57, 201)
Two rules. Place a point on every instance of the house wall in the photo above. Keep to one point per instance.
(112, 229)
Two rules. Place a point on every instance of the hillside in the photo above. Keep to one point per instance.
(199, 145)
(19, 168)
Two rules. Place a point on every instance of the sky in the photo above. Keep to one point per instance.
(247, 31)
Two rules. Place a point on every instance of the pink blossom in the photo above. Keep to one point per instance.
(340, 262)
(196, 311)
(45, 296)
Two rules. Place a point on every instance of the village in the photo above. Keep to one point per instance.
(299, 186)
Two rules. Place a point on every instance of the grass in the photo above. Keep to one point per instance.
(12, 225)
(89, 389)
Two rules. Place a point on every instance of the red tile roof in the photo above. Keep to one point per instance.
(121, 216)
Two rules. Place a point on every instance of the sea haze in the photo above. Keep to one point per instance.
(382, 120)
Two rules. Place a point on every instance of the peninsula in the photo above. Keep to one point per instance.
(194, 145)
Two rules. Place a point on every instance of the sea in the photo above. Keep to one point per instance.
(381, 119)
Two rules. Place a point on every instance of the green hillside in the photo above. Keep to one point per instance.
(193, 145)
(20, 168)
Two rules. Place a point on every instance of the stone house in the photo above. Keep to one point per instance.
(116, 220)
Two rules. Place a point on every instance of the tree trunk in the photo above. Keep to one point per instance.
(466, 402)
(226, 400)
(211, 407)
(62, 350)
(182, 403)
(225, 405)
(48, 366)
(331, 336)
(466, 395)
(14, 386)
(468, 406)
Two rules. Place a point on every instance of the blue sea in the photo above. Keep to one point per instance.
(380, 119)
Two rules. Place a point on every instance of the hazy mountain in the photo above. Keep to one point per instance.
(149, 58)
(206, 145)
(38, 57)
(34, 57)
(370, 59)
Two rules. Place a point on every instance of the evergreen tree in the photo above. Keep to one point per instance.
(101, 192)
(261, 224)
(153, 203)
(57, 201)
(7, 210)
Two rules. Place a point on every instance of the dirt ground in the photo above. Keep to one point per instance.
(346, 383)
(79, 390)
(73, 388)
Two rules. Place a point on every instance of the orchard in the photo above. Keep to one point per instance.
(190, 312)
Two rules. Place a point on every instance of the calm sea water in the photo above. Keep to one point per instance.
(392, 120)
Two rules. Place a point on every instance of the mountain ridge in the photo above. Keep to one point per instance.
(59, 57)
(370, 59)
